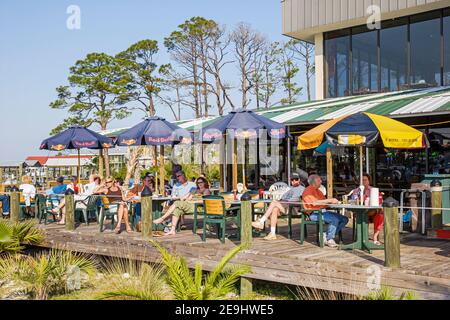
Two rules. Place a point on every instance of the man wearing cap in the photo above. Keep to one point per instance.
(277, 207)
(183, 188)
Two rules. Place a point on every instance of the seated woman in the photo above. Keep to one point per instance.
(375, 216)
(28, 191)
(186, 205)
(116, 203)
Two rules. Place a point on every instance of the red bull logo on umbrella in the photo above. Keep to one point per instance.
(58, 147)
(85, 144)
(129, 142)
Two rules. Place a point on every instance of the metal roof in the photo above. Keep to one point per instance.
(413, 102)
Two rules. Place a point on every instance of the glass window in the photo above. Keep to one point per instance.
(365, 61)
(394, 55)
(425, 50)
(447, 47)
(337, 60)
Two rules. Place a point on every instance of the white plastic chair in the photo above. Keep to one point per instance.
(278, 189)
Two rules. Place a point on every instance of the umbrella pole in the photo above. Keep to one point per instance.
(161, 170)
(79, 168)
(329, 174)
(234, 164)
(243, 167)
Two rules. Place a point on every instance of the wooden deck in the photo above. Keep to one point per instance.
(425, 263)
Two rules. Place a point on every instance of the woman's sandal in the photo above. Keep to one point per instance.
(60, 223)
(117, 231)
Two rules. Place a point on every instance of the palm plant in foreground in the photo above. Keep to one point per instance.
(187, 286)
(47, 273)
(14, 234)
(131, 280)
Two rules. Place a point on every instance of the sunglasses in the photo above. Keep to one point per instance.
(180, 175)
(109, 181)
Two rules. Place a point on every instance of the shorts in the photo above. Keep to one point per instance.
(183, 207)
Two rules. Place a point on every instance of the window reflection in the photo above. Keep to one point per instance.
(425, 52)
(365, 61)
(447, 48)
(337, 58)
(394, 57)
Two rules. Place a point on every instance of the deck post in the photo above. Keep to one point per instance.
(246, 224)
(70, 211)
(391, 233)
(246, 287)
(436, 204)
(329, 174)
(15, 207)
(146, 213)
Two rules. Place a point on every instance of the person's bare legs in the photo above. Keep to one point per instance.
(173, 229)
(126, 218)
(119, 219)
(273, 210)
(63, 216)
(274, 218)
(166, 215)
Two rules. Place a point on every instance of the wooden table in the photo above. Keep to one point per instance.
(362, 227)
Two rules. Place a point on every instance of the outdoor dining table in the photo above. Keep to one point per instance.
(362, 227)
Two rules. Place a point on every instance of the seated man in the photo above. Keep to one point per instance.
(314, 199)
(277, 207)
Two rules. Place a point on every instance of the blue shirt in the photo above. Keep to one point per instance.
(59, 189)
(180, 190)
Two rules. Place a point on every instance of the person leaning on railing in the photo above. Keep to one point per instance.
(186, 205)
(314, 199)
(4, 199)
(28, 191)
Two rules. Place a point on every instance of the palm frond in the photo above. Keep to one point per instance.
(211, 278)
(226, 281)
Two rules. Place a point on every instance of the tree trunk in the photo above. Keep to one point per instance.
(133, 162)
(106, 159)
(308, 77)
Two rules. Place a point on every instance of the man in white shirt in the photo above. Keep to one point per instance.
(277, 207)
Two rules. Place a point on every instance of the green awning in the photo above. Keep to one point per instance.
(416, 102)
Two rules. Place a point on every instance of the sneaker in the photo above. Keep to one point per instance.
(270, 237)
(331, 243)
(258, 225)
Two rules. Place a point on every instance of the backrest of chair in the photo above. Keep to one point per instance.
(92, 202)
(41, 202)
(257, 205)
(227, 198)
(214, 205)
(278, 185)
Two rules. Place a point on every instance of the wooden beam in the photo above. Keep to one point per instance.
(391, 235)
(246, 225)
(70, 212)
(436, 204)
(147, 217)
(246, 287)
(15, 207)
(329, 174)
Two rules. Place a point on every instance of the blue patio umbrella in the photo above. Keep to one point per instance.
(154, 131)
(242, 124)
(76, 137)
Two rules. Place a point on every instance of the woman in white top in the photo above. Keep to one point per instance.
(28, 191)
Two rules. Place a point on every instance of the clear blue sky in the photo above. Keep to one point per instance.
(37, 50)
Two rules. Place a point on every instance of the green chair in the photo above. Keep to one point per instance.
(105, 212)
(215, 212)
(91, 206)
(306, 220)
(43, 211)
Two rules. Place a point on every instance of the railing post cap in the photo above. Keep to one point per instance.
(390, 203)
(435, 183)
